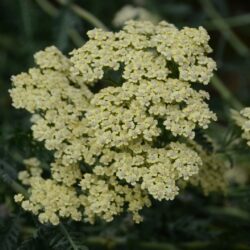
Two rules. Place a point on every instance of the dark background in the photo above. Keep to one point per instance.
(190, 222)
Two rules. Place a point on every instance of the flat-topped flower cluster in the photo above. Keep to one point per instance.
(117, 115)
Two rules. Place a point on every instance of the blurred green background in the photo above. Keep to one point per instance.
(190, 222)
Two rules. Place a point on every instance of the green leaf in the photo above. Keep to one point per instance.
(9, 233)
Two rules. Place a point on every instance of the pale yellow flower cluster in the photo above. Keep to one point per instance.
(58, 102)
(146, 51)
(242, 119)
(116, 115)
(49, 198)
(107, 197)
(32, 169)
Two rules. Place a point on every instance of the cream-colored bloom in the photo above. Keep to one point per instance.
(116, 116)
(18, 198)
(51, 200)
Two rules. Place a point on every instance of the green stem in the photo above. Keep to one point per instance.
(113, 243)
(26, 18)
(88, 16)
(110, 243)
(66, 234)
(84, 14)
(75, 37)
(225, 93)
(18, 188)
(48, 7)
(156, 246)
(221, 25)
(231, 21)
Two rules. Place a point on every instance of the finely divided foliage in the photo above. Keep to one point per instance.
(116, 147)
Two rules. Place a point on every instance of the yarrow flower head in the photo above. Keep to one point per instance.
(117, 115)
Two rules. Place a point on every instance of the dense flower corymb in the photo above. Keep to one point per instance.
(116, 115)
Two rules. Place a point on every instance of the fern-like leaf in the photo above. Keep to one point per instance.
(64, 239)
(54, 238)
(9, 233)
